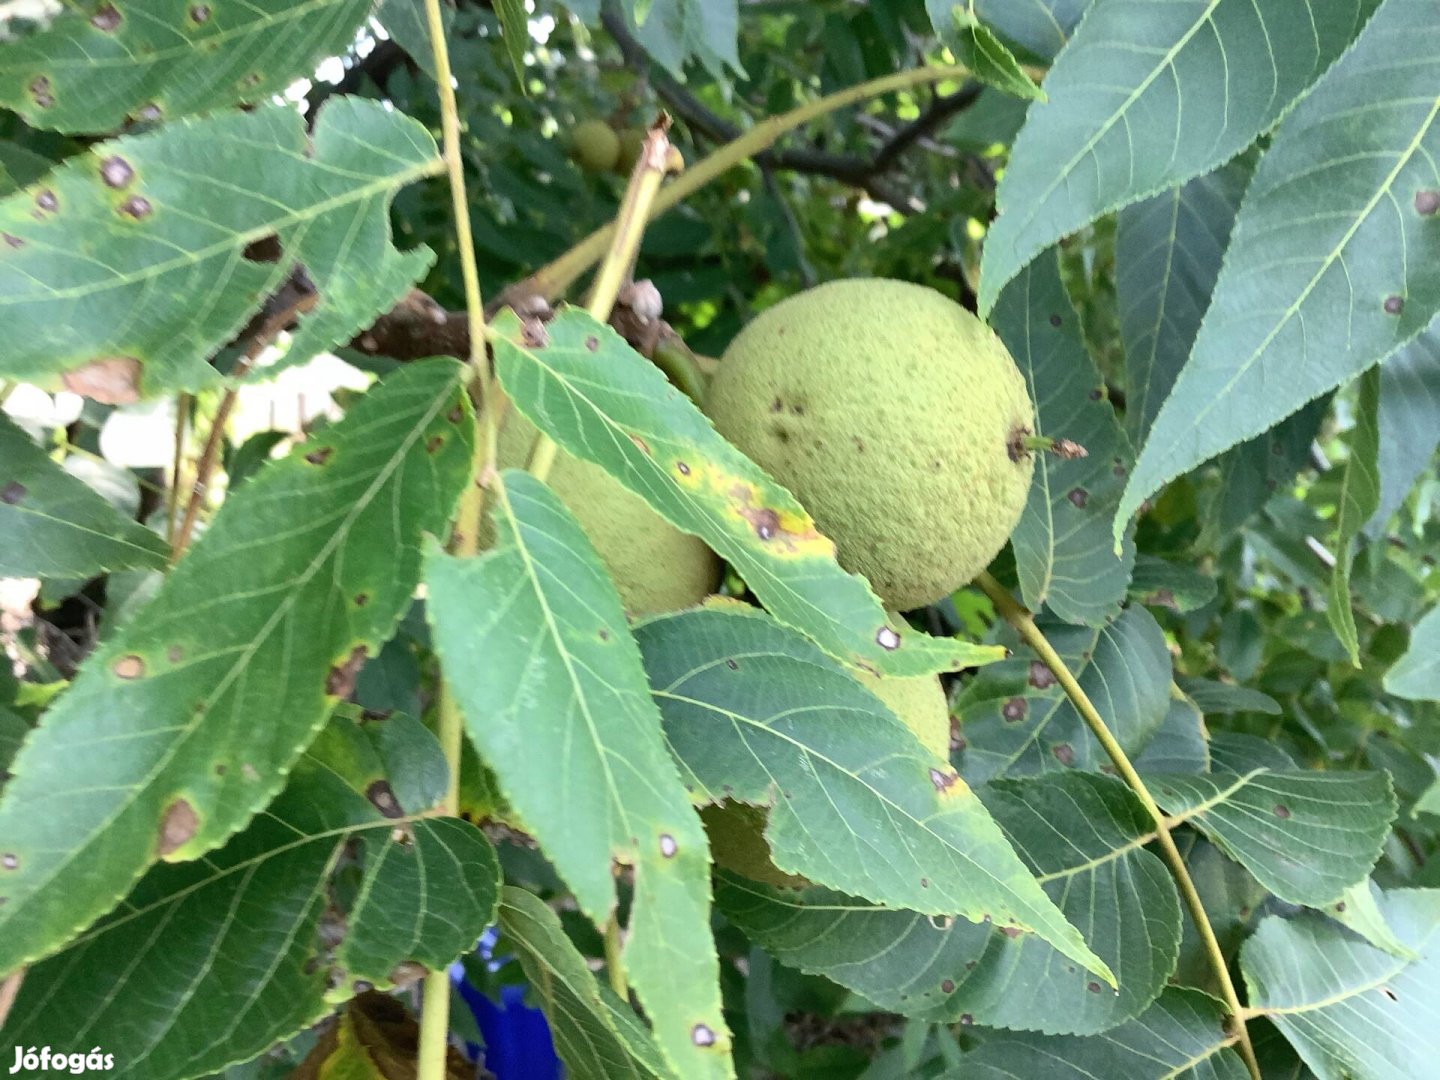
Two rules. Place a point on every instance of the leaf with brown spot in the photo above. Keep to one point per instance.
(843, 777)
(257, 647)
(133, 323)
(616, 409)
(177, 827)
(253, 925)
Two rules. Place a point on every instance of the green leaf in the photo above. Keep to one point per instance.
(1306, 836)
(1359, 498)
(1146, 96)
(515, 30)
(579, 382)
(1178, 586)
(758, 715)
(210, 962)
(536, 649)
(675, 31)
(1040, 26)
(20, 167)
(1081, 834)
(1350, 1009)
(977, 47)
(1179, 744)
(1360, 909)
(184, 724)
(405, 22)
(1017, 720)
(1249, 474)
(98, 66)
(1416, 675)
(1331, 264)
(13, 730)
(1167, 256)
(1410, 419)
(53, 525)
(1221, 699)
(1180, 1037)
(1063, 550)
(596, 1036)
(174, 286)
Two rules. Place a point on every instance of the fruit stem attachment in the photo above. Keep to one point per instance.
(431, 1055)
(625, 235)
(1024, 624)
(555, 277)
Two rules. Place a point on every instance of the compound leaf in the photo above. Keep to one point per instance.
(1146, 96)
(536, 648)
(176, 211)
(1334, 261)
(185, 722)
(758, 715)
(226, 955)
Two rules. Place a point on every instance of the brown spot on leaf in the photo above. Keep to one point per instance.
(455, 414)
(1162, 598)
(129, 666)
(533, 334)
(137, 207)
(1394, 305)
(943, 781)
(641, 444)
(361, 599)
(668, 847)
(110, 380)
(1097, 393)
(1011, 932)
(732, 664)
(1427, 202)
(46, 201)
(434, 443)
(702, 1035)
(592, 343)
(12, 241)
(1093, 987)
(320, 455)
(1340, 907)
(116, 171)
(174, 654)
(1014, 709)
(947, 986)
(682, 468)
(1389, 993)
(924, 883)
(12, 493)
(200, 13)
(177, 826)
(107, 18)
(148, 113)
(1040, 677)
(382, 797)
(1281, 811)
(341, 680)
(9, 861)
(765, 521)
(887, 639)
(1078, 497)
(40, 91)
(1064, 753)
(966, 1019)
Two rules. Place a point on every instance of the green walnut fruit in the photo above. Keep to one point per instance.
(655, 566)
(594, 146)
(920, 703)
(895, 416)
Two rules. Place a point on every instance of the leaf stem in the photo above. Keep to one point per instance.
(1024, 625)
(172, 494)
(613, 966)
(555, 277)
(625, 235)
(465, 538)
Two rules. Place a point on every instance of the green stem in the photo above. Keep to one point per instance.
(555, 277)
(626, 233)
(1024, 625)
(435, 1002)
(613, 966)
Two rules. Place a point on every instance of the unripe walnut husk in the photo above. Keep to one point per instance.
(594, 146)
(894, 415)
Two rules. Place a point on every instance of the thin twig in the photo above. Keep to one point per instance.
(213, 441)
(1024, 625)
(556, 276)
(172, 493)
(465, 537)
